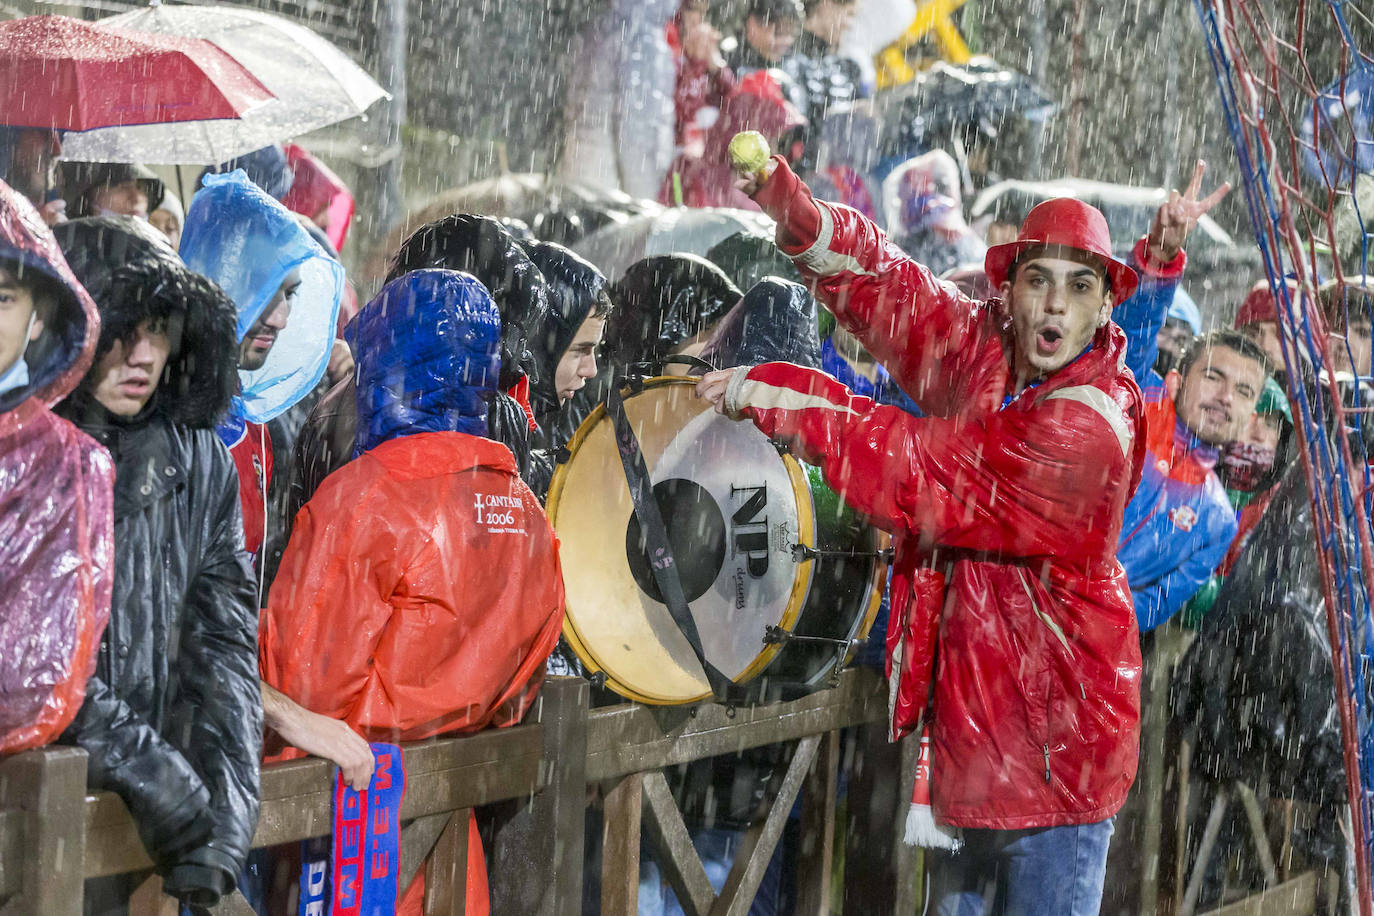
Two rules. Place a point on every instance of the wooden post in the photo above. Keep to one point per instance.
(536, 853)
(880, 870)
(818, 831)
(446, 880)
(49, 787)
(620, 848)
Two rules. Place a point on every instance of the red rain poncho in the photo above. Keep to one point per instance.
(56, 516)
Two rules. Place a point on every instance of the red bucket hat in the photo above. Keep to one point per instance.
(1069, 223)
(1260, 304)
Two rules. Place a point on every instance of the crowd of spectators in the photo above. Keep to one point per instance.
(245, 504)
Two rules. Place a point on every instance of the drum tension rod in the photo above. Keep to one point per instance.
(773, 635)
(801, 553)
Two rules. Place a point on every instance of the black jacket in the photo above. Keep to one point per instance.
(1255, 689)
(827, 79)
(173, 716)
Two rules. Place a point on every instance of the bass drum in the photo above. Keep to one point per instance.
(759, 542)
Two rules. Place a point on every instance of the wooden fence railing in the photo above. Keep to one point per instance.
(533, 782)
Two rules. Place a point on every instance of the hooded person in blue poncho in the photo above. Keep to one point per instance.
(287, 291)
(424, 569)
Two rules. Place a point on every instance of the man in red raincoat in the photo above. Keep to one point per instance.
(420, 594)
(56, 518)
(1005, 502)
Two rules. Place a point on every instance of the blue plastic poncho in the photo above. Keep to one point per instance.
(1186, 310)
(428, 352)
(247, 242)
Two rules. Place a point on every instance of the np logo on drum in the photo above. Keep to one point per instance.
(749, 530)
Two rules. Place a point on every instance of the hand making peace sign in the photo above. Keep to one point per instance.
(1179, 214)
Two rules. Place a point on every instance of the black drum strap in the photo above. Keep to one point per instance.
(655, 536)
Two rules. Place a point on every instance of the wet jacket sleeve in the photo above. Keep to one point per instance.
(1013, 484)
(129, 757)
(1142, 315)
(922, 330)
(1158, 599)
(219, 707)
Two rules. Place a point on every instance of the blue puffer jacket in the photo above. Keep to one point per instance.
(428, 356)
(1178, 525)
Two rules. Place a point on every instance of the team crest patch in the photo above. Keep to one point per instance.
(1183, 517)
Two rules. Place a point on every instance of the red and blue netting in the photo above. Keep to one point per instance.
(1298, 96)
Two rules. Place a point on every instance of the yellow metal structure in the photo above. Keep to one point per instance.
(932, 16)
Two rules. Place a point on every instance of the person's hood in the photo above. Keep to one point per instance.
(924, 193)
(1260, 304)
(268, 168)
(63, 352)
(758, 104)
(662, 301)
(747, 257)
(133, 275)
(574, 287)
(481, 246)
(1185, 309)
(247, 242)
(315, 187)
(80, 180)
(427, 350)
(775, 321)
(172, 204)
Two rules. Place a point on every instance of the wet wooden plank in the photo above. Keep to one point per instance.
(676, 856)
(620, 848)
(880, 873)
(11, 847)
(632, 739)
(446, 878)
(751, 861)
(441, 776)
(1297, 897)
(817, 851)
(47, 788)
(536, 854)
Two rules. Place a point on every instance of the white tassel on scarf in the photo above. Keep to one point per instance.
(921, 829)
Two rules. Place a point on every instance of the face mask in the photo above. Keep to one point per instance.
(1243, 466)
(17, 375)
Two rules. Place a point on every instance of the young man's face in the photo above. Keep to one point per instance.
(578, 362)
(1263, 431)
(1217, 398)
(771, 39)
(1057, 304)
(1350, 352)
(1266, 335)
(19, 323)
(262, 336)
(830, 19)
(126, 199)
(166, 222)
(127, 376)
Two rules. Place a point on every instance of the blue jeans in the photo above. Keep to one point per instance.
(1043, 870)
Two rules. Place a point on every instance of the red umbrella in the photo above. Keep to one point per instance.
(65, 74)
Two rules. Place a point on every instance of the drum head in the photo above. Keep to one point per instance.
(733, 507)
